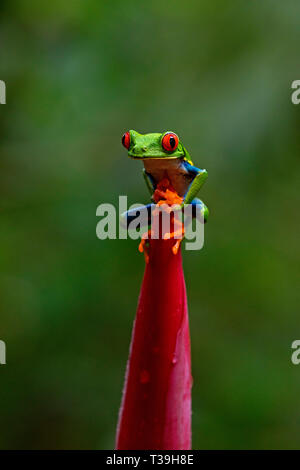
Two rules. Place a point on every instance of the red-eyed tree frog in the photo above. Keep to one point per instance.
(164, 156)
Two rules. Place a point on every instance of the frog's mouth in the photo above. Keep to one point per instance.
(153, 157)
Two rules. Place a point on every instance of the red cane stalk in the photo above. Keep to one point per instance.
(155, 412)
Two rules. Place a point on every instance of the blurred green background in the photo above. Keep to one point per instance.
(78, 75)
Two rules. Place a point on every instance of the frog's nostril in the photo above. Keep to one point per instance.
(137, 149)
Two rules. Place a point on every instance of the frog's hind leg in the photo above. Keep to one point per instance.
(199, 211)
(144, 215)
(144, 211)
(177, 233)
(199, 179)
(149, 182)
(199, 208)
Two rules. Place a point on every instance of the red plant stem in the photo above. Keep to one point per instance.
(156, 406)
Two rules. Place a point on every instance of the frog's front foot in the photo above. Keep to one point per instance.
(198, 209)
(144, 244)
(177, 233)
(176, 247)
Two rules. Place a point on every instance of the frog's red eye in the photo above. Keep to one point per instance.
(170, 141)
(126, 140)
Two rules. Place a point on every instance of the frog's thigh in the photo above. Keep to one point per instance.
(149, 181)
(195, 186)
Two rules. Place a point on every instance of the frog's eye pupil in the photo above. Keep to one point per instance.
(126, 140)
(170, 141)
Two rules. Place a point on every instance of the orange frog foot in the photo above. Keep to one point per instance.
(177, 235)
(144, 245)
(165, 194)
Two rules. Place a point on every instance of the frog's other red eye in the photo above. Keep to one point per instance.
(170, 141)
(126, 140)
